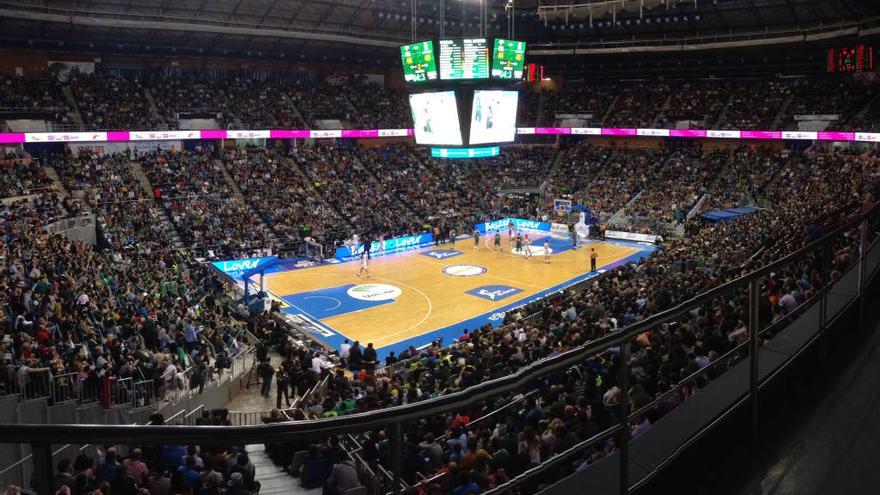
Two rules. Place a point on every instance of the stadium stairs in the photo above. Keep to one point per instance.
(541, 107)
(721, 115)
(154, 110)
(142, 179)
(607, 114)
(663, 109)
(239, 196)
(74, 107)
(56, 180)
(274, 481)
(289, 102)
(783, 110)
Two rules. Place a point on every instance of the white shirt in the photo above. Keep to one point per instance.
(317, 364)
(344, 350)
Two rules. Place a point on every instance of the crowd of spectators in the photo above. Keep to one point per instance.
(20, 176)
(377, 107)
(42, 96)
(156, 314)
(112, 102)
(120, 101)
(700, 103)
(128, 217)
(79, 320)
(463, 450)
(840, 97)
(283, 197)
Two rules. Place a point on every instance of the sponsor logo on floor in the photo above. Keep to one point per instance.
(465, 270)
(441, 254)
(494, 292)
(374, 292)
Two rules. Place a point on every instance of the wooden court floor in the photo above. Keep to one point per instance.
(430, 299)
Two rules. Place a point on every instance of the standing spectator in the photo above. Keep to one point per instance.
(266, 372)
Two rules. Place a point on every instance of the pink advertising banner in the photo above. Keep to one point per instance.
(616, 131)
(213, 134)
(837, 136)
(289, 134)
(11, 137)
(760, 135)
(687, 133)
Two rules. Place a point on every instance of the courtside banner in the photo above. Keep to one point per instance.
(630, 236)
(235, 268)
(559, 228)
(388, 246)
(518, 223)
(586, 131)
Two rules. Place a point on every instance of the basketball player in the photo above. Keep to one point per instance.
(528, 247)
(365, 265)
(498, 240)
(452, 234)
(519, 243)
(510, 231)
(476, 239)
(547, 250)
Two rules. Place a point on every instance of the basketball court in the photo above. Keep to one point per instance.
(418, 296)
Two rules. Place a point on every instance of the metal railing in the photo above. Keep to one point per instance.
(394, 419)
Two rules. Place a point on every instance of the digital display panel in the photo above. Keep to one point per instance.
(465, 152)
(493, 116)
(435, 118)
(508, 59)
(464, 59)
(419, 62)
(859, 58)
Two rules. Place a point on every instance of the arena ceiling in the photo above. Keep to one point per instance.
(368, 31)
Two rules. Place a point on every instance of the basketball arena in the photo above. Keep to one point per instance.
(430, 247)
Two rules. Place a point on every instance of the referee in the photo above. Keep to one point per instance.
(593, 257)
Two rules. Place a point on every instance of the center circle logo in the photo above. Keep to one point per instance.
(374, 292)
(465, 270)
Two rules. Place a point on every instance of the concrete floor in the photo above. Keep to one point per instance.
(827, 440)
(250, 399)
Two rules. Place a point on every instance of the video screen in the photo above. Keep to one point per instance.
(464, 59)
(419, 63)
(508, 59)
(435, 118)
(493, 117)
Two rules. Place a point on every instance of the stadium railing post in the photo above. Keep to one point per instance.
(396, 455)
(863, 269)
(754, 297)
(623, 415)
(43, 468)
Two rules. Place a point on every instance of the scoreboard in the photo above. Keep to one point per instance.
(859, 58)
(419, 62)
(464, 59)
(508, 58)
